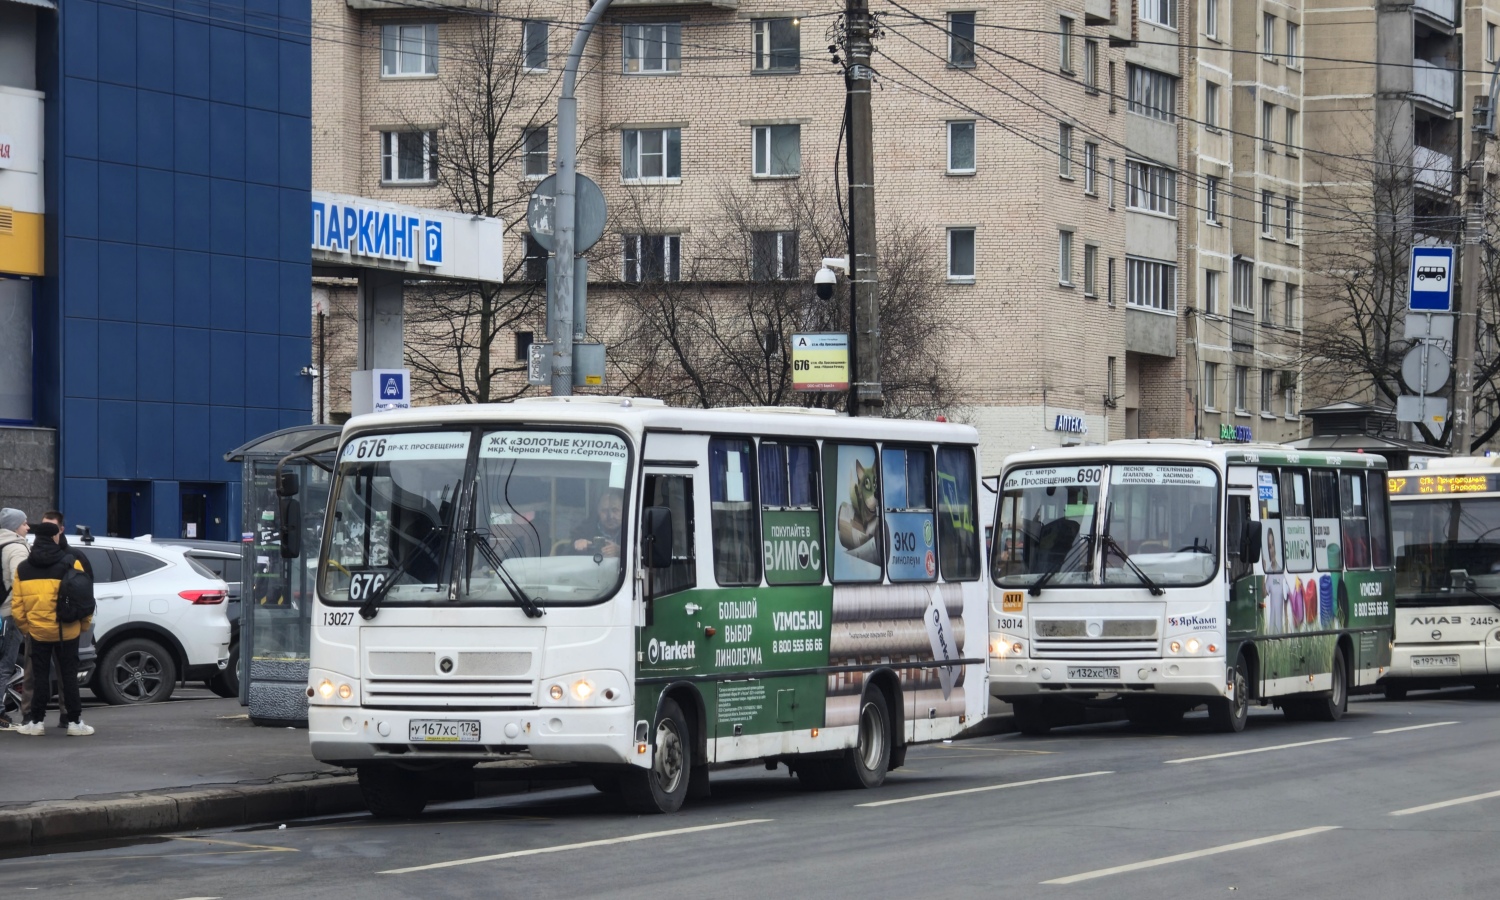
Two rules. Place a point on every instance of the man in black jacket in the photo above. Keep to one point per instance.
(38, 582)
(56, 518)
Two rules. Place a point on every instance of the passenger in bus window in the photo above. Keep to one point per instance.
(602, 536)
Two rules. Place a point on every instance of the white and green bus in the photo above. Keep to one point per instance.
(1167, 574)
(1446, 519)
(644, 591)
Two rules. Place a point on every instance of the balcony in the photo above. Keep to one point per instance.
(1433, 170)
(1099, 12)
(1434, 86)
(1442, 12)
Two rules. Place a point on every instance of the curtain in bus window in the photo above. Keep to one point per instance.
(1325, 510)
(675, 492)
(731, 489)
(1380, 534)
(1268, 497)
(791, 530)
(853, 512)
(1296, 521)
(1354, 516)
(958, 534)
(908, 514)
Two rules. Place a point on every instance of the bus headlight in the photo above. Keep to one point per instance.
(325, 689)
(582, 689)
(1175, 647)
(345, 692)
(555, 692)
(600, 687)
(1192, 645)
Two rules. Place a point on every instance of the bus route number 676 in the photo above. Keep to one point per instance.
(364, 584)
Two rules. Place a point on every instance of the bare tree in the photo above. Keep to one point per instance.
(490, 109)
(716, 329)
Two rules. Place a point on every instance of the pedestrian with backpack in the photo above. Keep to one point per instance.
(54, 604)
(13, 552)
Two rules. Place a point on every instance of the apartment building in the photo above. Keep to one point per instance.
(1058, 163)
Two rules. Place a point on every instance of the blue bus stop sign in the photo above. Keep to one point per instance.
(1431, 279)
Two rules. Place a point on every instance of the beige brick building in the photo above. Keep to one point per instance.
(1064, 163)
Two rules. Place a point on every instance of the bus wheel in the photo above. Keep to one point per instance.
(664, 786)
(392, 793)
(1228, 714)
(865, 764)
(1031, 717)
(1330, 708)
(1395, 691)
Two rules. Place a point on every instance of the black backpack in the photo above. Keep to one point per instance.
(75, 595)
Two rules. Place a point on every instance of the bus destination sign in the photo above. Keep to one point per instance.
(1412, 485)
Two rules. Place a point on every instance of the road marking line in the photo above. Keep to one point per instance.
(1415, 727)
(1458, 801)
(266, 847)
(951, 747)
(1172, 762)
(579, 846)
(1195, 854)
(979, 790)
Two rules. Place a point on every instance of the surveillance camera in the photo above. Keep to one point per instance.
(824, 281)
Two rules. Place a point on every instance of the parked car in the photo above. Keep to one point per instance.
(160, 618)
(223, 558)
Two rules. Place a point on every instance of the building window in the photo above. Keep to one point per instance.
(1109, 280)
(652, 257)
(960, 254)
(1267, 203)
(1091, 66)
(961, 148)
(1151, 93)
(1110, 72)
(650, 154)
(1065, 258)
(961, 40)
(408, 157)
(1211, 199)
(1267, 300)
(1111, 392)
(1162, 12)
(1111, 183)
(534, 45)
(773, 255)
(652, 49)
(1289, 395)
(1150, 188)
(1065, 44)
(534, 264)
(778, 44)
(1090, 168)
(1244, 279)
(1211, 18)
(1090, 270)
(1268, 126)
(1290, 217)
(778, 150)
(1267, 391)
(524, 340)
(408, 50)
(1268, 36)
(1491, 41)
(534, 153)
(1293, 35)
(1290, 138)
(1150, 284)
(1211, 291)
(1289, 309)
(1210, 385)
(1211, 106)
(1065, 150)
(1242, 389)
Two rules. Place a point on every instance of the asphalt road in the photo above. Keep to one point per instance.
(1398, 800)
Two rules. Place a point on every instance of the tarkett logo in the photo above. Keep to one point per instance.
(1196, 623)
(662, 651)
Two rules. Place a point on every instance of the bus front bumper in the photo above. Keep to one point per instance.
(352, 735)
(1442, 661)
(1020, 679)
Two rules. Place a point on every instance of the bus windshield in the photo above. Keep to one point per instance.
(1436, 538)
(1046, 525)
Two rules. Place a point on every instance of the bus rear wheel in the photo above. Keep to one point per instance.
(663, 787)
(392, 793)
(865, 764)
(1229, 714)
(1331, 706)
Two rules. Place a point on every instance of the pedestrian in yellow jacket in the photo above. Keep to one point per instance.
(34, 608)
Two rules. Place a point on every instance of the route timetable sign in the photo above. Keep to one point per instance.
(820, 362)
(1431, 279)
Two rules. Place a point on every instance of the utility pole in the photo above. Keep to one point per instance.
(864, 289)
(1473, 266)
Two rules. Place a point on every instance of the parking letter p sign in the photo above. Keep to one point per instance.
(432, 245)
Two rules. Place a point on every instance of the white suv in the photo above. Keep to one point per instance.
(160, 618)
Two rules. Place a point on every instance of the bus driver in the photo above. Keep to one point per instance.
(602, 536)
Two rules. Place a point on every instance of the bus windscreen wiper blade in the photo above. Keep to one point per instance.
(1112, 544)
(371, 606)
(1036, 588)
(1468, 585)
(530, 607)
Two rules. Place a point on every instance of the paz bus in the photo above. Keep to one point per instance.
(1163, 575)
(644, 591)
(1446, 520)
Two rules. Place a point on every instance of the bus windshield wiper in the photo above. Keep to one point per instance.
(371, 606)
(1111, 544)
(1036, 588)
(528, 605)
(1468, 585)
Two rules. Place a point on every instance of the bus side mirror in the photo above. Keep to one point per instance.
(656, 536)
(1250, 539)
(290, 525)
(286, 485)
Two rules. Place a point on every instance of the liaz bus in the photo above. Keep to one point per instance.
(1167, 574)
(1446, 520)
(646, 592)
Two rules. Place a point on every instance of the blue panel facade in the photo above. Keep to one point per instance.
(175, 316)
